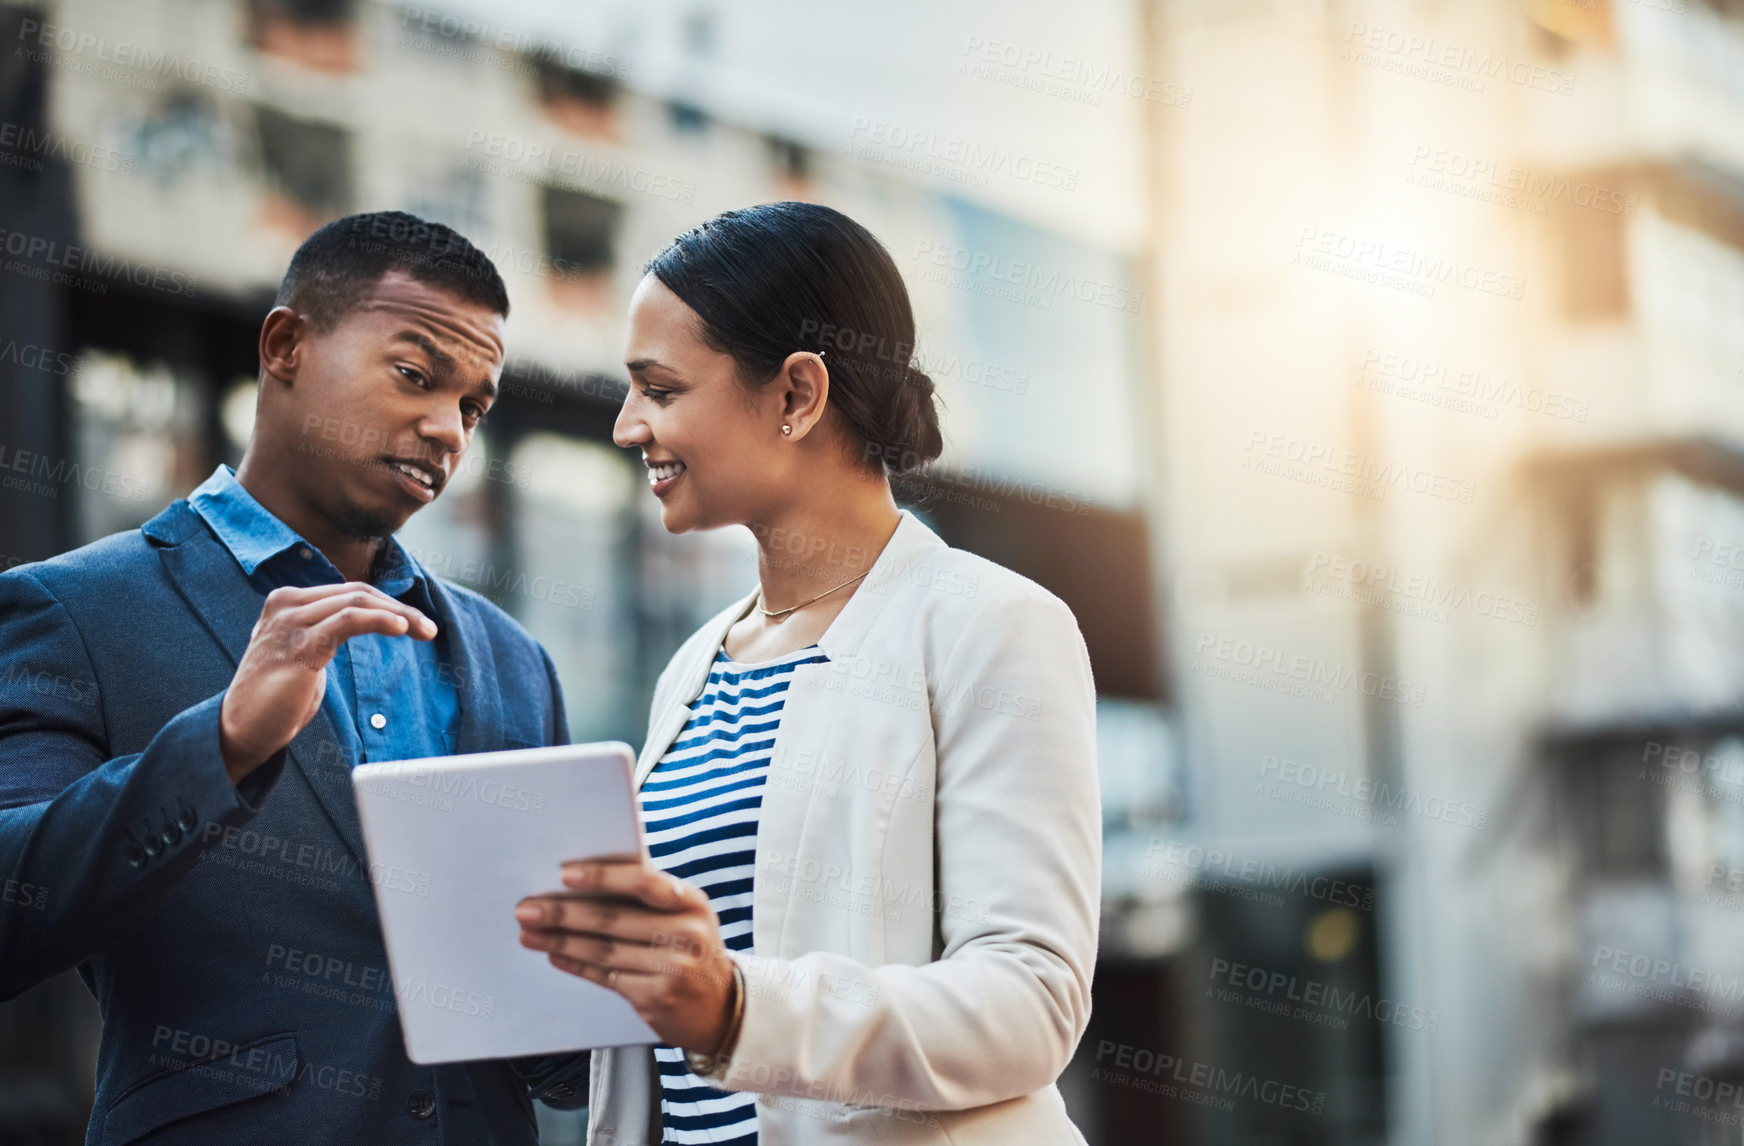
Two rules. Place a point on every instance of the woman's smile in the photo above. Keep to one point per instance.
(662, 476)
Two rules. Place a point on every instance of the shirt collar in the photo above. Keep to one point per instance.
(398, 573)
(254, 537)
(251, 533)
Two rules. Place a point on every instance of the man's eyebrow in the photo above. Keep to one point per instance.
(444, 362)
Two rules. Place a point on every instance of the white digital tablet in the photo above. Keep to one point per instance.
(454, 843)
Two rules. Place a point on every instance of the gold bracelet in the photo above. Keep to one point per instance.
(706, 1064)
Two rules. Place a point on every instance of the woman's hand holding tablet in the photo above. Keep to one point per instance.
(649, 936)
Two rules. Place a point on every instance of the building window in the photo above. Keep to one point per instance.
(318, 34)
(580, 236)
(180, 138)
(137, 441)
(792, 163)
(687, 117)
(1615, 813)
(1563, 24)
(1595, 265)
(699, 31)
(307, 168)
(572, 542)
(581, 102)
(1098, 562)
(453, 195)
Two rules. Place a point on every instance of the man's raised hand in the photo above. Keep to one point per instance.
(278, 686)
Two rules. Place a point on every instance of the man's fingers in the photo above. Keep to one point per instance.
(320, 643)
(294, 596)
(305, 607)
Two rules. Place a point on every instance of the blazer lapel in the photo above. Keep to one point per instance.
(467, 646)
(911, 540)
(668, 719)
(326, 765)
(212, 583)
(217, 592)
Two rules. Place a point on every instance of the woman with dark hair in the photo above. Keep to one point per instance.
(869, 908)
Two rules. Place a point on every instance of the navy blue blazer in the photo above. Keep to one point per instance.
(228, 932)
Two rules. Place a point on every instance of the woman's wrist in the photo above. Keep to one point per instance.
(704, 1064)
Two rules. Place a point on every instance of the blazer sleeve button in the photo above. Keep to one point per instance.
(135, 857)
(153, 843)
(188, 819)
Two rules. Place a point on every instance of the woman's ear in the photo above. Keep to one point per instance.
(805, 393)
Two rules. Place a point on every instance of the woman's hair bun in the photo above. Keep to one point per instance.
(776, 278)
(910, 436)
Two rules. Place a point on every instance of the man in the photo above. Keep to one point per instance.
(180, 707)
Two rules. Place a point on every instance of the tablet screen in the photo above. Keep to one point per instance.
(454, 843)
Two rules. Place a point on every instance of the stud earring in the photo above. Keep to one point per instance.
(786, 430)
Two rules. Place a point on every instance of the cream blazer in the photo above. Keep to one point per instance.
(928, 869)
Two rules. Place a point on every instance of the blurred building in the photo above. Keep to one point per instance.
(1451, 351)
(160, 160)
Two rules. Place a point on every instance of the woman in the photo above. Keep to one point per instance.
(869, 911)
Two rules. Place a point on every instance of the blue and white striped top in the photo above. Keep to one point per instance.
(700, 805)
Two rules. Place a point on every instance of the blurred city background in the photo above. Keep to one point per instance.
(1368, 376)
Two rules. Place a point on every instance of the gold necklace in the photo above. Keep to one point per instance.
(803, 604)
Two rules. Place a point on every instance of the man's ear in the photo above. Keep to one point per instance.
(281, 341)
(805, 392)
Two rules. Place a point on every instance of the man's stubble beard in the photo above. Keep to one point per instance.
(357, 523)
(361, 525)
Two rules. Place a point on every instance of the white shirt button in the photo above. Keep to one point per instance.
(378, 722)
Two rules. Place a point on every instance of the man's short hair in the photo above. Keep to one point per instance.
(340, 264)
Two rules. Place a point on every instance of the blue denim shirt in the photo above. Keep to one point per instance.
(390, 698)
